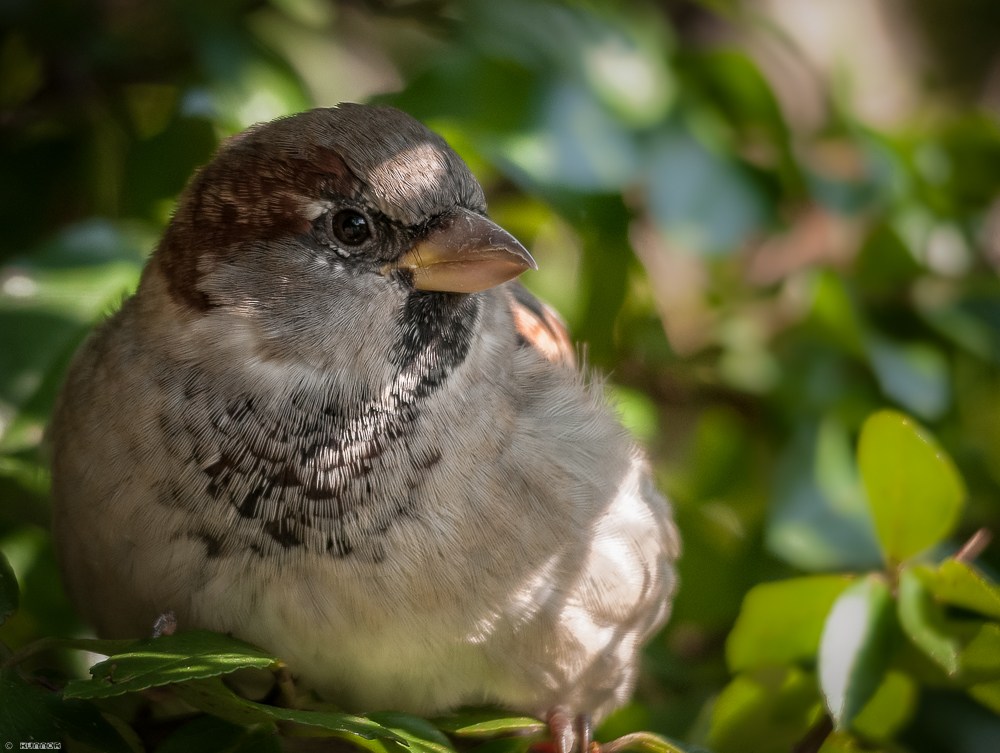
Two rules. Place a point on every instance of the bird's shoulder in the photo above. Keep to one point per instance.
(539, 326)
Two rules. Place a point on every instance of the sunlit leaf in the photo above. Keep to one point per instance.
(854, 648)
(645, 742)
(914, 489)
(923, 621)
(487, 723)
(168, 659)
(962, 585)
(781, 622)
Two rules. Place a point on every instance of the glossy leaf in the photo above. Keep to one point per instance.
(9, 591)
(854, 648)
(781, 622)
(964, 586)
(923, 621)
(915, 491)
(487, 723)
(168, 659)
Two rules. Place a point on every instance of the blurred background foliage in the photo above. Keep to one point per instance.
(766, 219)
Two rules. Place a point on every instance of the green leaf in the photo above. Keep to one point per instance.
(890, 709)
(923, 621)
(768, 709)
(915, 491)
(205, 734)
(85, 723)
(646, 742)
(169, 659)
(988, 694)
(854, 648)
(419, 733)
(9, 592)
(980, 659)
(781, 623)
(487, 723)
(25, 713)
(517, 744)
(212, 696)
(962, 585)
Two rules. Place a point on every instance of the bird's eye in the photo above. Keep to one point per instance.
(351, 227)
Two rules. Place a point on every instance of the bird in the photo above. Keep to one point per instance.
(331, 422)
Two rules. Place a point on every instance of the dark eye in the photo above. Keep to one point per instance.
(351, 227)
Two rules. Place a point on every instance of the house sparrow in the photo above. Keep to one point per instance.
(329, 423)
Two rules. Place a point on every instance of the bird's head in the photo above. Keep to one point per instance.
(332, 227)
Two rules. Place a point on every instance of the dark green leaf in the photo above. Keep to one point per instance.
(914, 489)
(168, 659)
(85, 723)
(9, 592)
(205, 734)
(517, 744)
(418, 732)
(854, 648)
(25, 711)
(781, 622)
(212, 696)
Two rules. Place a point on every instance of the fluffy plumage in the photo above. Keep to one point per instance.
(413, 497)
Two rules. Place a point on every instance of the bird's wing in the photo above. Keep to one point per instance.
(539, 326)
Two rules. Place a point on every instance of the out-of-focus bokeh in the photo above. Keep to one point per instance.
(766, 218)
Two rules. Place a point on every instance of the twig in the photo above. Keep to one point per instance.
(975, 546)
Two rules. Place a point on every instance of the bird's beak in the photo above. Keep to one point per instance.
(466, 253)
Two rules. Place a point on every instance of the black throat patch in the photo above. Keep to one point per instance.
(318, 473)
